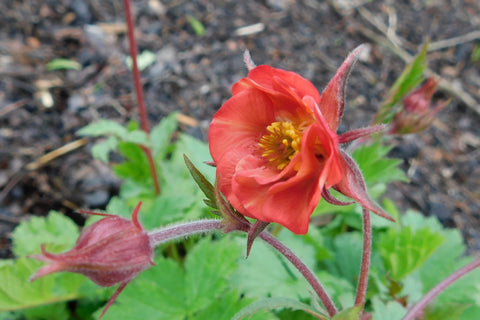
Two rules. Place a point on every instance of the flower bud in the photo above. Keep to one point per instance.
(110, 251)
(417, 113)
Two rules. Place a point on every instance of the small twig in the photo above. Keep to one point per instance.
(43, 160)
(5, 110)
(455, 41)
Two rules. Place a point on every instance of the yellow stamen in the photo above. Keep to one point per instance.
(281, 144)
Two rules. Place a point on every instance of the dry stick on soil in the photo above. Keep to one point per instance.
(40, 162)
(43, 160)
(142, 109)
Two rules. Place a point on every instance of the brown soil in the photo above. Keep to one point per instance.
(41, 110)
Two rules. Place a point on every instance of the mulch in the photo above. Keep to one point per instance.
(41, 110)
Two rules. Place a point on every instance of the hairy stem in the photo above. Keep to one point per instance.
(304, 270)
(142, 109)
(367, 252)
(186, 229)
(413, 312)
(183, 230)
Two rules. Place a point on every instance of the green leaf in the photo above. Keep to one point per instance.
(347, 249)
(63, 64)
(138, 137)
(375, 166)
(144, 60)
(136, 166)
(168, 291)
(391, 310)
(55, 311)
(161, 136)
(56, 231)
(405, 250)
(196, 25)
(266, 273)
(352, 313)
(409, 79)
(16, 292)
(102, 128)
(227, 306)
(101, 150)
(277, 303)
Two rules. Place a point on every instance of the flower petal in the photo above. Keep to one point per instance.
(264, 76)
(240, 122)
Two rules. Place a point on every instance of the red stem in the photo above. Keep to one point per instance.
(304, 270)
(367, 251)
(440, 287)
(142, 109)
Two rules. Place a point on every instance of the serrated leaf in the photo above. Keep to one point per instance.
(135, 167)
(227, 306)
(347, 249)
(167, 291)
(161, 136)
(273, 275)
(352, 313)
(102, 128)
(138, 137)
(405, 250)
(56, 231)
(375, 166)
(392, 310)
(17, 293)
(276, 303)
(101, 150)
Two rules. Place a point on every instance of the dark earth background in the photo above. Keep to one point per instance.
(41, 110)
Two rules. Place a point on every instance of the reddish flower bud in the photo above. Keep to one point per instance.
(417, 114)
(110, 251)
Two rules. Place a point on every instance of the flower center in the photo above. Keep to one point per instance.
(281, 144)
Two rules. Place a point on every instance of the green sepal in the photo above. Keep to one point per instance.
(205, 185)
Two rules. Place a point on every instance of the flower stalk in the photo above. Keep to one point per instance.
(435, 291)
(367, 252)
(142, 109)
(187, 229)
(304, 270)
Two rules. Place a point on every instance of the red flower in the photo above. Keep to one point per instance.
(276, 148)
(417, 113)
(110, 251)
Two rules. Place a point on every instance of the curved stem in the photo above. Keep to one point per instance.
(183, 230)
(413, 312)
(367, 252)
(304, 270)
(142, 109)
